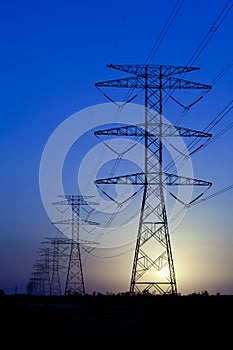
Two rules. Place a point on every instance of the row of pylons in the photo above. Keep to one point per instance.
(60, 257)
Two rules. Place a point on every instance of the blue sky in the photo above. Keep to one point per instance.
(52, 53)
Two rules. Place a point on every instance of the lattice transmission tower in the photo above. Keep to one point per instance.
(53, 246)
(75, 280)
(153, 228)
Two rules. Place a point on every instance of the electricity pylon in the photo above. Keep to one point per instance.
(75, 281)
(153, 222)
(52, 245)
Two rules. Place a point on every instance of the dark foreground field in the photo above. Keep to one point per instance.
(173, 319)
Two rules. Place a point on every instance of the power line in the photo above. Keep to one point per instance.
(164, 31)
(208, 128)
(218, 118)
(160, 39)
(213, 29)
(228, 188)
(226, 68)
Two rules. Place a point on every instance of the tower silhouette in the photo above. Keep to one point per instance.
(153, 245)
(75, 280)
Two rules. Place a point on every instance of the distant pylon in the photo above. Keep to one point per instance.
(153, 227)
(43, 271)
(75, 279)
(54, 266)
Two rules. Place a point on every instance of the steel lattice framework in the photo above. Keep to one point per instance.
(53, 245)
(75, 280)
(153, 223)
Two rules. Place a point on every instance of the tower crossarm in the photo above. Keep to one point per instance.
(151, 69)
(79, 221)
(74, 200)
(171, 131)
(132, 179)
(126, 130)
(177, 180)
(153, 83)
(139, 130)
(66, 241)
(154, 179)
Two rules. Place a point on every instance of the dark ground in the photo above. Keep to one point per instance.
(202, 321)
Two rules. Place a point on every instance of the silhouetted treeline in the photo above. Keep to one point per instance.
(199, 316)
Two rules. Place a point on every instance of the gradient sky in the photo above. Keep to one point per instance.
(52, 53)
